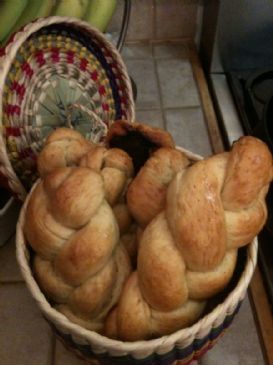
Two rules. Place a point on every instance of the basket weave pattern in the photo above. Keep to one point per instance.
(56, 72)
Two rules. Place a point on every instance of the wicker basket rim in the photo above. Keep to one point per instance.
(10, 54)
(137, 349)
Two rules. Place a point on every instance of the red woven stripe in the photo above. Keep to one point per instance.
(18, 88)
(39, 56)
(55, 55)
(27, 69)
(83, 64)
(94, 75)
(102, 90)
(12, 109)
(105, 106)
(13, 131)
(70, 56)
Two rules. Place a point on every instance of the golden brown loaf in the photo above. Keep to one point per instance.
(187, 253)
(146, 195)
(156, 162)
(117, 171)
(63, 147)
(183, 221)
(80, 263)
(116, 168)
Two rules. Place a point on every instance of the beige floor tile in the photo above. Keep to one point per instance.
(239, 345)
(137, 51)
(63, 356)
(25, 337)
(175, 19)
(188, 128)
(152, 117)
(141, 24)
(143, 74)
(178, 87)
(9, 269)
(171, 50)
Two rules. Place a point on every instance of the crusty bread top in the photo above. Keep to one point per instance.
(63, 147)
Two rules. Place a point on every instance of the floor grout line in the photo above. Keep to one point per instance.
(160, 93)
(169, 108)
(179, 108)
(143, 109)
(12, 282)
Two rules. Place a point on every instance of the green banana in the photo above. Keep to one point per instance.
(30, 13)
(45, 8)
(34, 9)
(75, 8)
(10, 11)
(100, 12)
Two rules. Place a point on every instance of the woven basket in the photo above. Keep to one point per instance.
(182, 346)
(56, 72)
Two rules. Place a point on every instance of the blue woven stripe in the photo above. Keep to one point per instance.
(94, 48)
(154, 359)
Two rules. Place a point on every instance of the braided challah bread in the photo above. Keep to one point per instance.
(116, 168)
(155, 163)
(146, 195)
(117, 171)
(80, 262)
(188, 252)
(63, 147)
(181, 222)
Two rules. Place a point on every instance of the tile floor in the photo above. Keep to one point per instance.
(167, 97)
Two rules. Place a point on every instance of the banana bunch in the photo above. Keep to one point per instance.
(96, 12)
(100, 12)
(10, 11)
(76, 8)
(14, 14)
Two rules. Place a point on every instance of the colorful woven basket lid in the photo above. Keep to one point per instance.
(56, 72)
